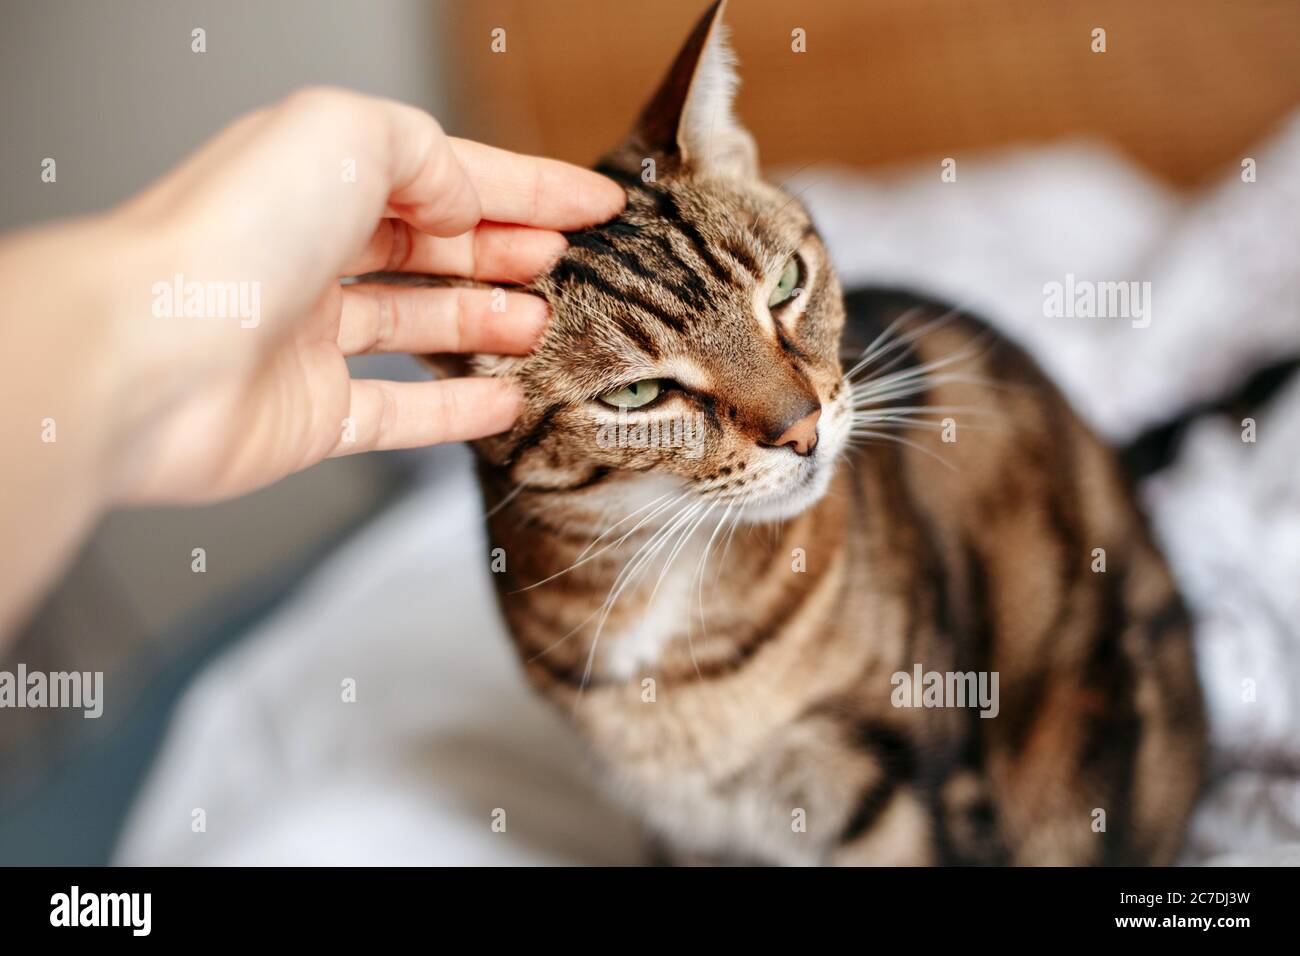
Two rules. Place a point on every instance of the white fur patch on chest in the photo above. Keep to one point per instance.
(629, 652)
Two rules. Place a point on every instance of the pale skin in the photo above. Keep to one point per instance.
(324, 185)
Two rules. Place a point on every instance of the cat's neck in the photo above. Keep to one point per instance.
(654, 578)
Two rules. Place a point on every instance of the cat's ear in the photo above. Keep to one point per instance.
(689, 120)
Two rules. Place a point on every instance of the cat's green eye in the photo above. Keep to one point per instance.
(787, 285)
(635, 395)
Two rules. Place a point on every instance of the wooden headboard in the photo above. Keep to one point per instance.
(1184, 85)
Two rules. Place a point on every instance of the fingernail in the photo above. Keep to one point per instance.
(561, 247)
(514, 396)
(536, 313)
(616, 195)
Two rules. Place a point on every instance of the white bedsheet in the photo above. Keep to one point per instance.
(444, 733)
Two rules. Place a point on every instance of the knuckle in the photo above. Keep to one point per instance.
(389, 414)
(400, 246)
(449, 410)
(464, 320)
(477, 244)
(327, 107)
(386, 318)
(314, 99)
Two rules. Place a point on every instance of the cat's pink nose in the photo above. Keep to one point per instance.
(802, 435)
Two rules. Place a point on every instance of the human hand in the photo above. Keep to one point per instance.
(274, 211)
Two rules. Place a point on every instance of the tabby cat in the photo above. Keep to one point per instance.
(731, 554)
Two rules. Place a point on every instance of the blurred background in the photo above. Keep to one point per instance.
(114, 92)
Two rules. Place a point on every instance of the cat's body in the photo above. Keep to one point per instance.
(770, 733)
(725, 621)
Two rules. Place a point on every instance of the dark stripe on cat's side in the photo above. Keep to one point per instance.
(787, 610)
(1055, 459)
(1107, 754)
(960, 835)
(1170, 617)
(983, 845)
(742, 652)
(896, 758)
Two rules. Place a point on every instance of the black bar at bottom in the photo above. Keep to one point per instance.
(547, 907)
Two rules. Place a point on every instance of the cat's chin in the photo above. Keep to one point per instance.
(784, 505)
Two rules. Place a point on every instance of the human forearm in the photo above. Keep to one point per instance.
(61, 401)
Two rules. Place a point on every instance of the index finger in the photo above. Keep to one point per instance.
(534, 191)
(443, 185)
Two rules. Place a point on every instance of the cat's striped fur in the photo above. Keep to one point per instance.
(723, 623)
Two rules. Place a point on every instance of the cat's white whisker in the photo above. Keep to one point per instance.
(643, 556)
(596, 540)
(962, 355)
(885, 341)
(899, 342)
(681, 543)
(886, 436)
(577, 627)
(505, 500)
(726, 548)
(584, 557)
(908, 386)
(683, 540)
(698, 577)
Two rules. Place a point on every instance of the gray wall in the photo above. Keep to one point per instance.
(112, 91)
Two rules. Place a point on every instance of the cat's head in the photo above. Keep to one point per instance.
(694, 339)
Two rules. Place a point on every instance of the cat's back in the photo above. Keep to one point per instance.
(1017, 537)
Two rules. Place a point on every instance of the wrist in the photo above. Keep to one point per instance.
(83, 312)
(58, 396)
